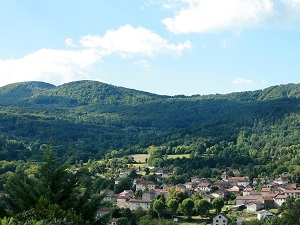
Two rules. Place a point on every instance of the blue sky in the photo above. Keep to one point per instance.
(161, 46)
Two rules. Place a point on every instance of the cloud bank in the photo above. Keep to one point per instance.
(61, 66)
(209, 16)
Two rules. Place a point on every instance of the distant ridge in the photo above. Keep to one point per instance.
(106, 117)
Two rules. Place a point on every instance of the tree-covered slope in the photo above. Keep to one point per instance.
(87, 118)
(14, 94)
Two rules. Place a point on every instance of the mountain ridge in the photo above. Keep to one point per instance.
(107, 117)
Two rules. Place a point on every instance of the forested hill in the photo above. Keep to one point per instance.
(85, 119)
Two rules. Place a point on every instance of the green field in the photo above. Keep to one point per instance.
(141, 158)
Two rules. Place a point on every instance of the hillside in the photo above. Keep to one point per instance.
(85, 119)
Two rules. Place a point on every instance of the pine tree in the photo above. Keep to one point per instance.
(56, 197)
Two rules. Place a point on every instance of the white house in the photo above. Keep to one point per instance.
(293, 193)
(280, 199)
(255, 206)
(136, 203)
(281, 180)
(240, 181)
(145, 185)
(204, 187)
(263, 214)
(220, 219)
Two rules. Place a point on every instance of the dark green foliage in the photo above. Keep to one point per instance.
(173, 205)
(202, 207)
(218, 204)
(58, 195)
(291, 216)
(159, 207)
(86, 118)
(188, 205)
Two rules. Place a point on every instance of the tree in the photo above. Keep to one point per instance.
(202, 207)
(147, 220)
(123, 221)
(133, 174)
(158, 207)
(57, 195)
(272, 220)
(291, 216)
(147, 170)
(188, 205)
(172, 205)
(218, 204)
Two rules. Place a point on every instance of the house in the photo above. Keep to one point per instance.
(255, 206)
(122, 202)
(281, 180)
(111, 198)
(127, 193)
(255, 193)
(161, 192)
(234, 189)
(263, 214)
(209, 198)
(292, 193)
(195, 179)
(204, 187)
(222, 193)
(145, 185)
(244, 200)
(220, 219)
(102, 212)
(149, 195)
(114, 221)
(222, 184)
(276, 190)
(240, 181)
(280, 199)
(268, 201)
(246, 191)
(265, 191)
(136, 203)
(190, 185)
(163, 173)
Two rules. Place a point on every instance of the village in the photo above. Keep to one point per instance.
(245, 199)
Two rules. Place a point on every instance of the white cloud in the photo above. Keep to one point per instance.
(69, 42)
(129, 41)
(216, 15)
(242, 81)
(61, 66)
(209, 16)
(54, 66)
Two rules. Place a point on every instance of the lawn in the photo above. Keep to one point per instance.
(141, 158)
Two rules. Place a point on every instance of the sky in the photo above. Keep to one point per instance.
(168, 47)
